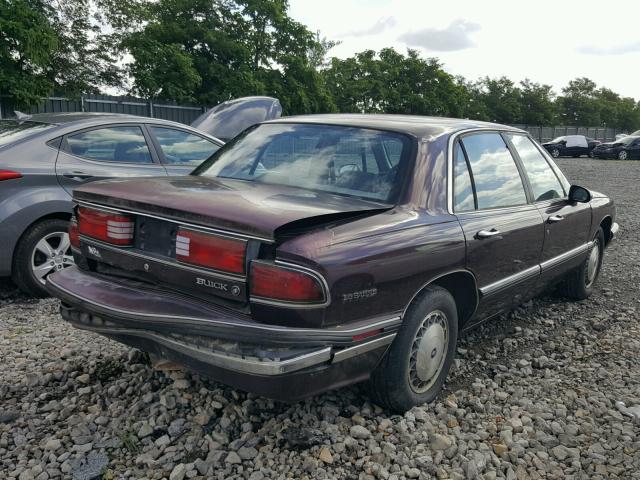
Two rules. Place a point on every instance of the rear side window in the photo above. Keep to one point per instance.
(111, 144)
(544, 183)
(183, 148)
(495, 174)
(12, 131)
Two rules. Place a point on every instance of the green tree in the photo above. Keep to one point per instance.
(537, 105)
(579, 104)
(27, 42)
(390, 82)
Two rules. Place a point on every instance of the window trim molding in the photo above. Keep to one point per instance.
(478, 130)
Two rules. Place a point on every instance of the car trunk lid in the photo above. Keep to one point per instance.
(250, 209)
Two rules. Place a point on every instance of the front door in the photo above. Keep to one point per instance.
(566, 224)
(110, 151)
(503, 231)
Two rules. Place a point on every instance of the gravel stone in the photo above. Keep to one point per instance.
(548, 391)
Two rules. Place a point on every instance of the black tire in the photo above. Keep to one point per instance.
(555, 153)
(622, 155)
(391, 386)
(578, 285)
(22, 271)
(591, 154)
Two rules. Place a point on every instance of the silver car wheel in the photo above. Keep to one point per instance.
(51, 253)
(593, 264)
(428, 351)
(555, 153)
(622, 155)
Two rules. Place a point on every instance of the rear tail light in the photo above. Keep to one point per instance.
(9, 175)
(114, 228)
(273, 282)
(74, 234)
(211, 251)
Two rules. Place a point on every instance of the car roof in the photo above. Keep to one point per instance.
(416, 125)
(68, 117)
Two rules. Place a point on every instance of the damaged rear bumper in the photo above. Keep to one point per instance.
(280, 362)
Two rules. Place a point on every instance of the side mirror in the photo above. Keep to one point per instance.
(579, 194)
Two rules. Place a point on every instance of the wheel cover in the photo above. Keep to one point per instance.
(51, 253)
(593, 264)
(622, 155)
(555, 153)
(428, 351)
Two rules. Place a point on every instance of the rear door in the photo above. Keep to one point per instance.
(180, 150)
(503, 230)
(108, 151)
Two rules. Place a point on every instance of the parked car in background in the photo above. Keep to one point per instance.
(627, 148)
(43, 157)
(313, 252)
(571, 146)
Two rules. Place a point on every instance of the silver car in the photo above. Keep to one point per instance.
(45, 156)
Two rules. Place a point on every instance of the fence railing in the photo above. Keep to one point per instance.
(545, 134)
(188, 113)
(107, 103)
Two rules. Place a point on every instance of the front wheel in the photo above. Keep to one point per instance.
(43, 249)
(622, 155)
(418, 361)
(591, 154)
(555, 153)
(580, 282)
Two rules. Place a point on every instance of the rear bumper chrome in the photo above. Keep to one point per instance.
(221, 343)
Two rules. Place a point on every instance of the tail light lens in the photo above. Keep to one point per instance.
(74, 234)
(278, 283)
(211, 251)
(114, 228)
(9, 175)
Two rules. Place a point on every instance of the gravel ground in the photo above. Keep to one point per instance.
(551, 390)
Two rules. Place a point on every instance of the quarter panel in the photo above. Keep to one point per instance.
(375, 274)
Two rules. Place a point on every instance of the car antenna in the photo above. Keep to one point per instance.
(22, 117)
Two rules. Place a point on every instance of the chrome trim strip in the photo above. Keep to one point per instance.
(535, 270)
(574, 252)
(176, 264)
(295, 268)
(251, 366)
(224, 233)
(510, 280)
(356, 350)
(386, 323)
(454, 136)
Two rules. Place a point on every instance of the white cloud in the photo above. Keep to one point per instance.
(613, 50)
(517, 40)
(457, 36)
(380, 26)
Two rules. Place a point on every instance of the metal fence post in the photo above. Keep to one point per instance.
(151, 108)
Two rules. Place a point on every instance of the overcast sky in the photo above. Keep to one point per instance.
(547, 41)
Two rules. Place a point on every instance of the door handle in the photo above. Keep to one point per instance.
(77, 175)
(488, 233)
(555, 219)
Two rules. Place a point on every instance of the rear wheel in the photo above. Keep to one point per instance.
(580, 282)
(43, 249)
(591, 154)
(418, 361)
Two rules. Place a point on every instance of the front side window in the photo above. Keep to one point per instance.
(111, 144)
(341, 160)
(495, 174)
(183, 148)
(544, 183)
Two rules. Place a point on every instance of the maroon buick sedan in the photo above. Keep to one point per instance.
(314, 252)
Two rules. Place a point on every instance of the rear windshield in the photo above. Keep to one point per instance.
(347, 161)
(12, 130)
